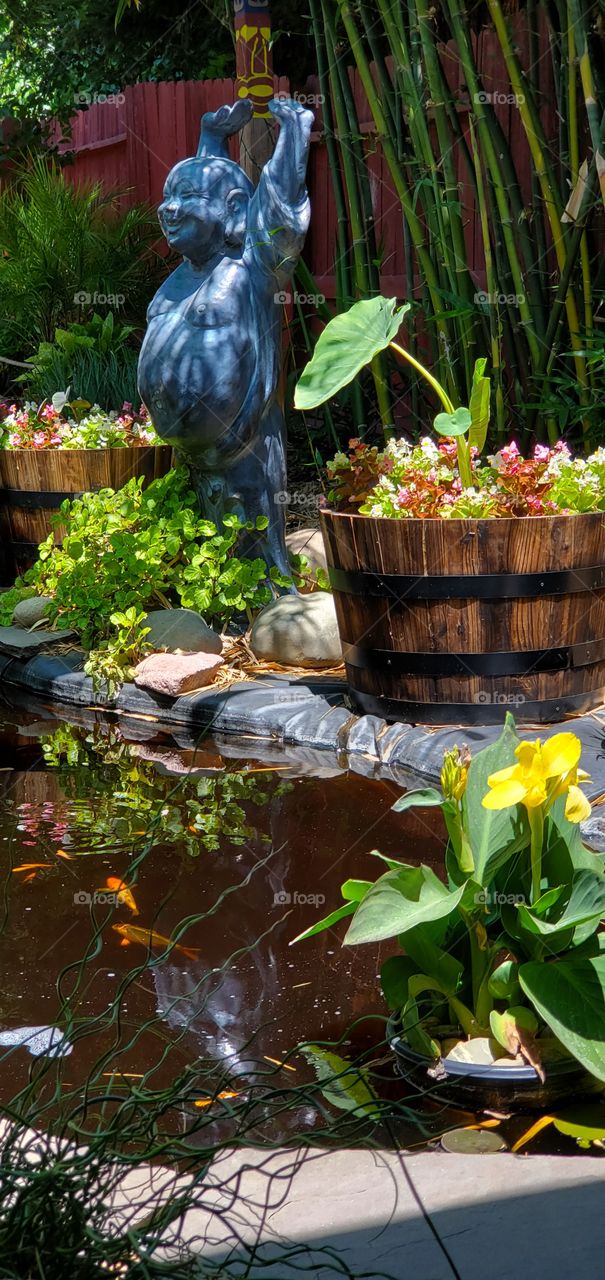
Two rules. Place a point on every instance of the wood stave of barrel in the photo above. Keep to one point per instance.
(34, 483)
(530, 640)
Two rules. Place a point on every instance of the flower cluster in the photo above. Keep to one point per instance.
(423, 481)
(51, 427)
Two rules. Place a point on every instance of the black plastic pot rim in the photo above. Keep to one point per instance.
(485, 1072)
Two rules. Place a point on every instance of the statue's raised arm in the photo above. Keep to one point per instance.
(278, 218)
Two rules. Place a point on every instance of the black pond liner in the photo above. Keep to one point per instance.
(475, 1087)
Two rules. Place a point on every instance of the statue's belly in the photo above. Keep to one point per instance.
(195, 380)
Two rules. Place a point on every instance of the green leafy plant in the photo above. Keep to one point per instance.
(125, 552)
(510, 948)
(95, 360)
(354, 339)
(114, 660)
(97, 252)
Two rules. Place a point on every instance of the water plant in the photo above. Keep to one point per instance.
(509, 949)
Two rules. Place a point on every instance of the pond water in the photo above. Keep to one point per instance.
(233, 859)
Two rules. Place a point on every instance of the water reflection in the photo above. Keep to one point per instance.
(228, 860)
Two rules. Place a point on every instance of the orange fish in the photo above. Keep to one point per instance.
(32, 876)
(123, 893)
(30, 866)
(207, 1102)
(62, 854)
(149, 938)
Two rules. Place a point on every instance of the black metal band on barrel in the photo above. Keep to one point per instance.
(485, 711)
(523, 662)
(34, 499)
(487, 586)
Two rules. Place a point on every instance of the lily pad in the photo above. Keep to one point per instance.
(472, 1142)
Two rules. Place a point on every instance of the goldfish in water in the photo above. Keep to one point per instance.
(30, 866)
(207, 1102)
(149, 938)
(122, 893)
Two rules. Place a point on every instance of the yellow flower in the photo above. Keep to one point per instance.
(543, 773)
(454, 773)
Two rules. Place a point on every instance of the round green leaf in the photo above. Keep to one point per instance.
(453, 424)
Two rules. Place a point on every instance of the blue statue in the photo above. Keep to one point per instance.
(210, 362)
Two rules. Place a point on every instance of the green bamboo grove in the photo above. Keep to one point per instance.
(532, 298)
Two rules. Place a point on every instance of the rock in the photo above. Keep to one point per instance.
(28, 612)
(175, 673)
(28, 644)
(480, 1051)
(298, 631)
(593, 831)
(310, 544)
(183, 630)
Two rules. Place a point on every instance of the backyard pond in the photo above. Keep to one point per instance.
(149, 894)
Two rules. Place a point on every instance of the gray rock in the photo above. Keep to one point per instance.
(176, 673)
(28, 612)
(310, 544)
(298, 631)
(181, 629)
(27, 644)
(593, 831)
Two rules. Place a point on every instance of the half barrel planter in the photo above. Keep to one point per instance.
(456, 621)
(34, 483)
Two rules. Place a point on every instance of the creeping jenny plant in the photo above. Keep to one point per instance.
(509, 945)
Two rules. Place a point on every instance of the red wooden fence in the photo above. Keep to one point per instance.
(134, 139)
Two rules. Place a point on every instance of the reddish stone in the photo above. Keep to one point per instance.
(175, 673)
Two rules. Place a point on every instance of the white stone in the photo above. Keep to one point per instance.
(298, 631)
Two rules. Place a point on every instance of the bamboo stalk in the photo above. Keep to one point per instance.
(538, 147)
(414, 224)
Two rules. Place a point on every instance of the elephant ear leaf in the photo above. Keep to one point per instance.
(348, 342)
(479, 406)
(570, 996)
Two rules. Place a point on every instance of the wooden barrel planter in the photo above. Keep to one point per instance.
(33, 484)
(456, 621)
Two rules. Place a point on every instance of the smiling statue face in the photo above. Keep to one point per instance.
(197, 209)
